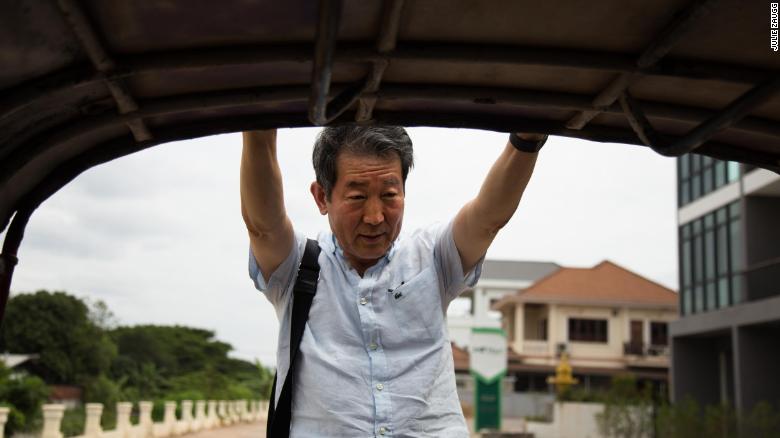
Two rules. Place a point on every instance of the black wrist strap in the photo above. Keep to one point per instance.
(305, 288)
(530, 146)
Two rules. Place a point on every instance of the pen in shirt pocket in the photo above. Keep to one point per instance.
(397, 294)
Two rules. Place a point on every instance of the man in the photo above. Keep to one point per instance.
(375, 359)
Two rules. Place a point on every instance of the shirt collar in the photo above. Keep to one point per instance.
(340, 252)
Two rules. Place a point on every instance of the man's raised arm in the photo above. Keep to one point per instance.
(262, 201)
(479, 221)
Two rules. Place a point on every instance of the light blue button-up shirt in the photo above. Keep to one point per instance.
(375, 358)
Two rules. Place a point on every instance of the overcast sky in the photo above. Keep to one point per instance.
(158, 235)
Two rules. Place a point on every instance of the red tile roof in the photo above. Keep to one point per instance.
(603, 284)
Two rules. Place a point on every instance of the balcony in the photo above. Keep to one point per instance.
(643, 354)
(535, 347)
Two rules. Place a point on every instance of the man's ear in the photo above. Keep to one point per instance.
(319, 197)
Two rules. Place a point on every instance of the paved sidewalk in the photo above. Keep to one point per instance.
(253, 430)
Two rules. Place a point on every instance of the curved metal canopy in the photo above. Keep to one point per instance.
(87, 81)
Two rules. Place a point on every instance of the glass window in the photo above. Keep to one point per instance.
(683, 162)
(708, 180)
(723, 292)
(686, 263)
(695, 163)
(723, 250)
(736, 289)
(588, 330)
(687, 302)
(659, 333)
(720, 174)
(709, 220)
(720, 216)
(685, 192)
(735, 245)
(706, 161)
(698, 259)
(733, 171)
(711, 304)
(696, 186)
(709, 254)
(698, 296)
(734, 209)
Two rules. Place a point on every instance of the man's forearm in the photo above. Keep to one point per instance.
(479, 221)
(262, 196)
(502, 189)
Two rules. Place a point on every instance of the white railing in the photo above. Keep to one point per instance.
(208, 415)
(3, 419)
(531, 346)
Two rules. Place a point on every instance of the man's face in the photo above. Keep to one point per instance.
(366, 206)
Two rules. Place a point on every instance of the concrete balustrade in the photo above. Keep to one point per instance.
(3, 419)
(52, 418)
(145, 423)
(212, 420)
(208, 415)
(185, 422)
(223, 413)
(92, 427)
(200, 415)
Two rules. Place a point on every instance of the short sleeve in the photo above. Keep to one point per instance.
(279, 283)
(447, 259)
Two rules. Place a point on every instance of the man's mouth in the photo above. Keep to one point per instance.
(372, 237)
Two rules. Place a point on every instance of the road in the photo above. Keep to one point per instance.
(252, 430)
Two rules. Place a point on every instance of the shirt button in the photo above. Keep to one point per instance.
(363, 300)
(382, 430)
(380, 386)
(372, 346)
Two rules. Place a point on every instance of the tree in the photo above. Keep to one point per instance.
(56, 326)
(187, 360)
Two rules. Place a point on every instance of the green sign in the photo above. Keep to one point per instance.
(487, 354)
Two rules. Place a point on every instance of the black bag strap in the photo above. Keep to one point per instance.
(278, 425)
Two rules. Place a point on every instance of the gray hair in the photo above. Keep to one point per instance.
(375, 141)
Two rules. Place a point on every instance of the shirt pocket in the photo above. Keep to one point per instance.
(416, 308)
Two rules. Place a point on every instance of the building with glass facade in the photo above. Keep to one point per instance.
(725, 344)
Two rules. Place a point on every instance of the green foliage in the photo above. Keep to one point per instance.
(24, 395)
(628, 413)
(73, 422)
(56, 326)
(101, 389)
(581, 394)
(181, 363)
(79, 343)
(16, 421)
(763, 421)
(627, 410)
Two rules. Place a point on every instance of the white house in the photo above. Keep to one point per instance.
(609, 320)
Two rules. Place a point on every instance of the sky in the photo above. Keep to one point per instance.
(158, 235)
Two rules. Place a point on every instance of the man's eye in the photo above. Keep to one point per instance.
(356, 197)
(390, 195)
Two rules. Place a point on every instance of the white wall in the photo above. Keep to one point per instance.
(570, 420)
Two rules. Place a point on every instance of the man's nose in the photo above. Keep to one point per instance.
(372, 214)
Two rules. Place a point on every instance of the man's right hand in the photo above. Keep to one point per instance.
(262, 201)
